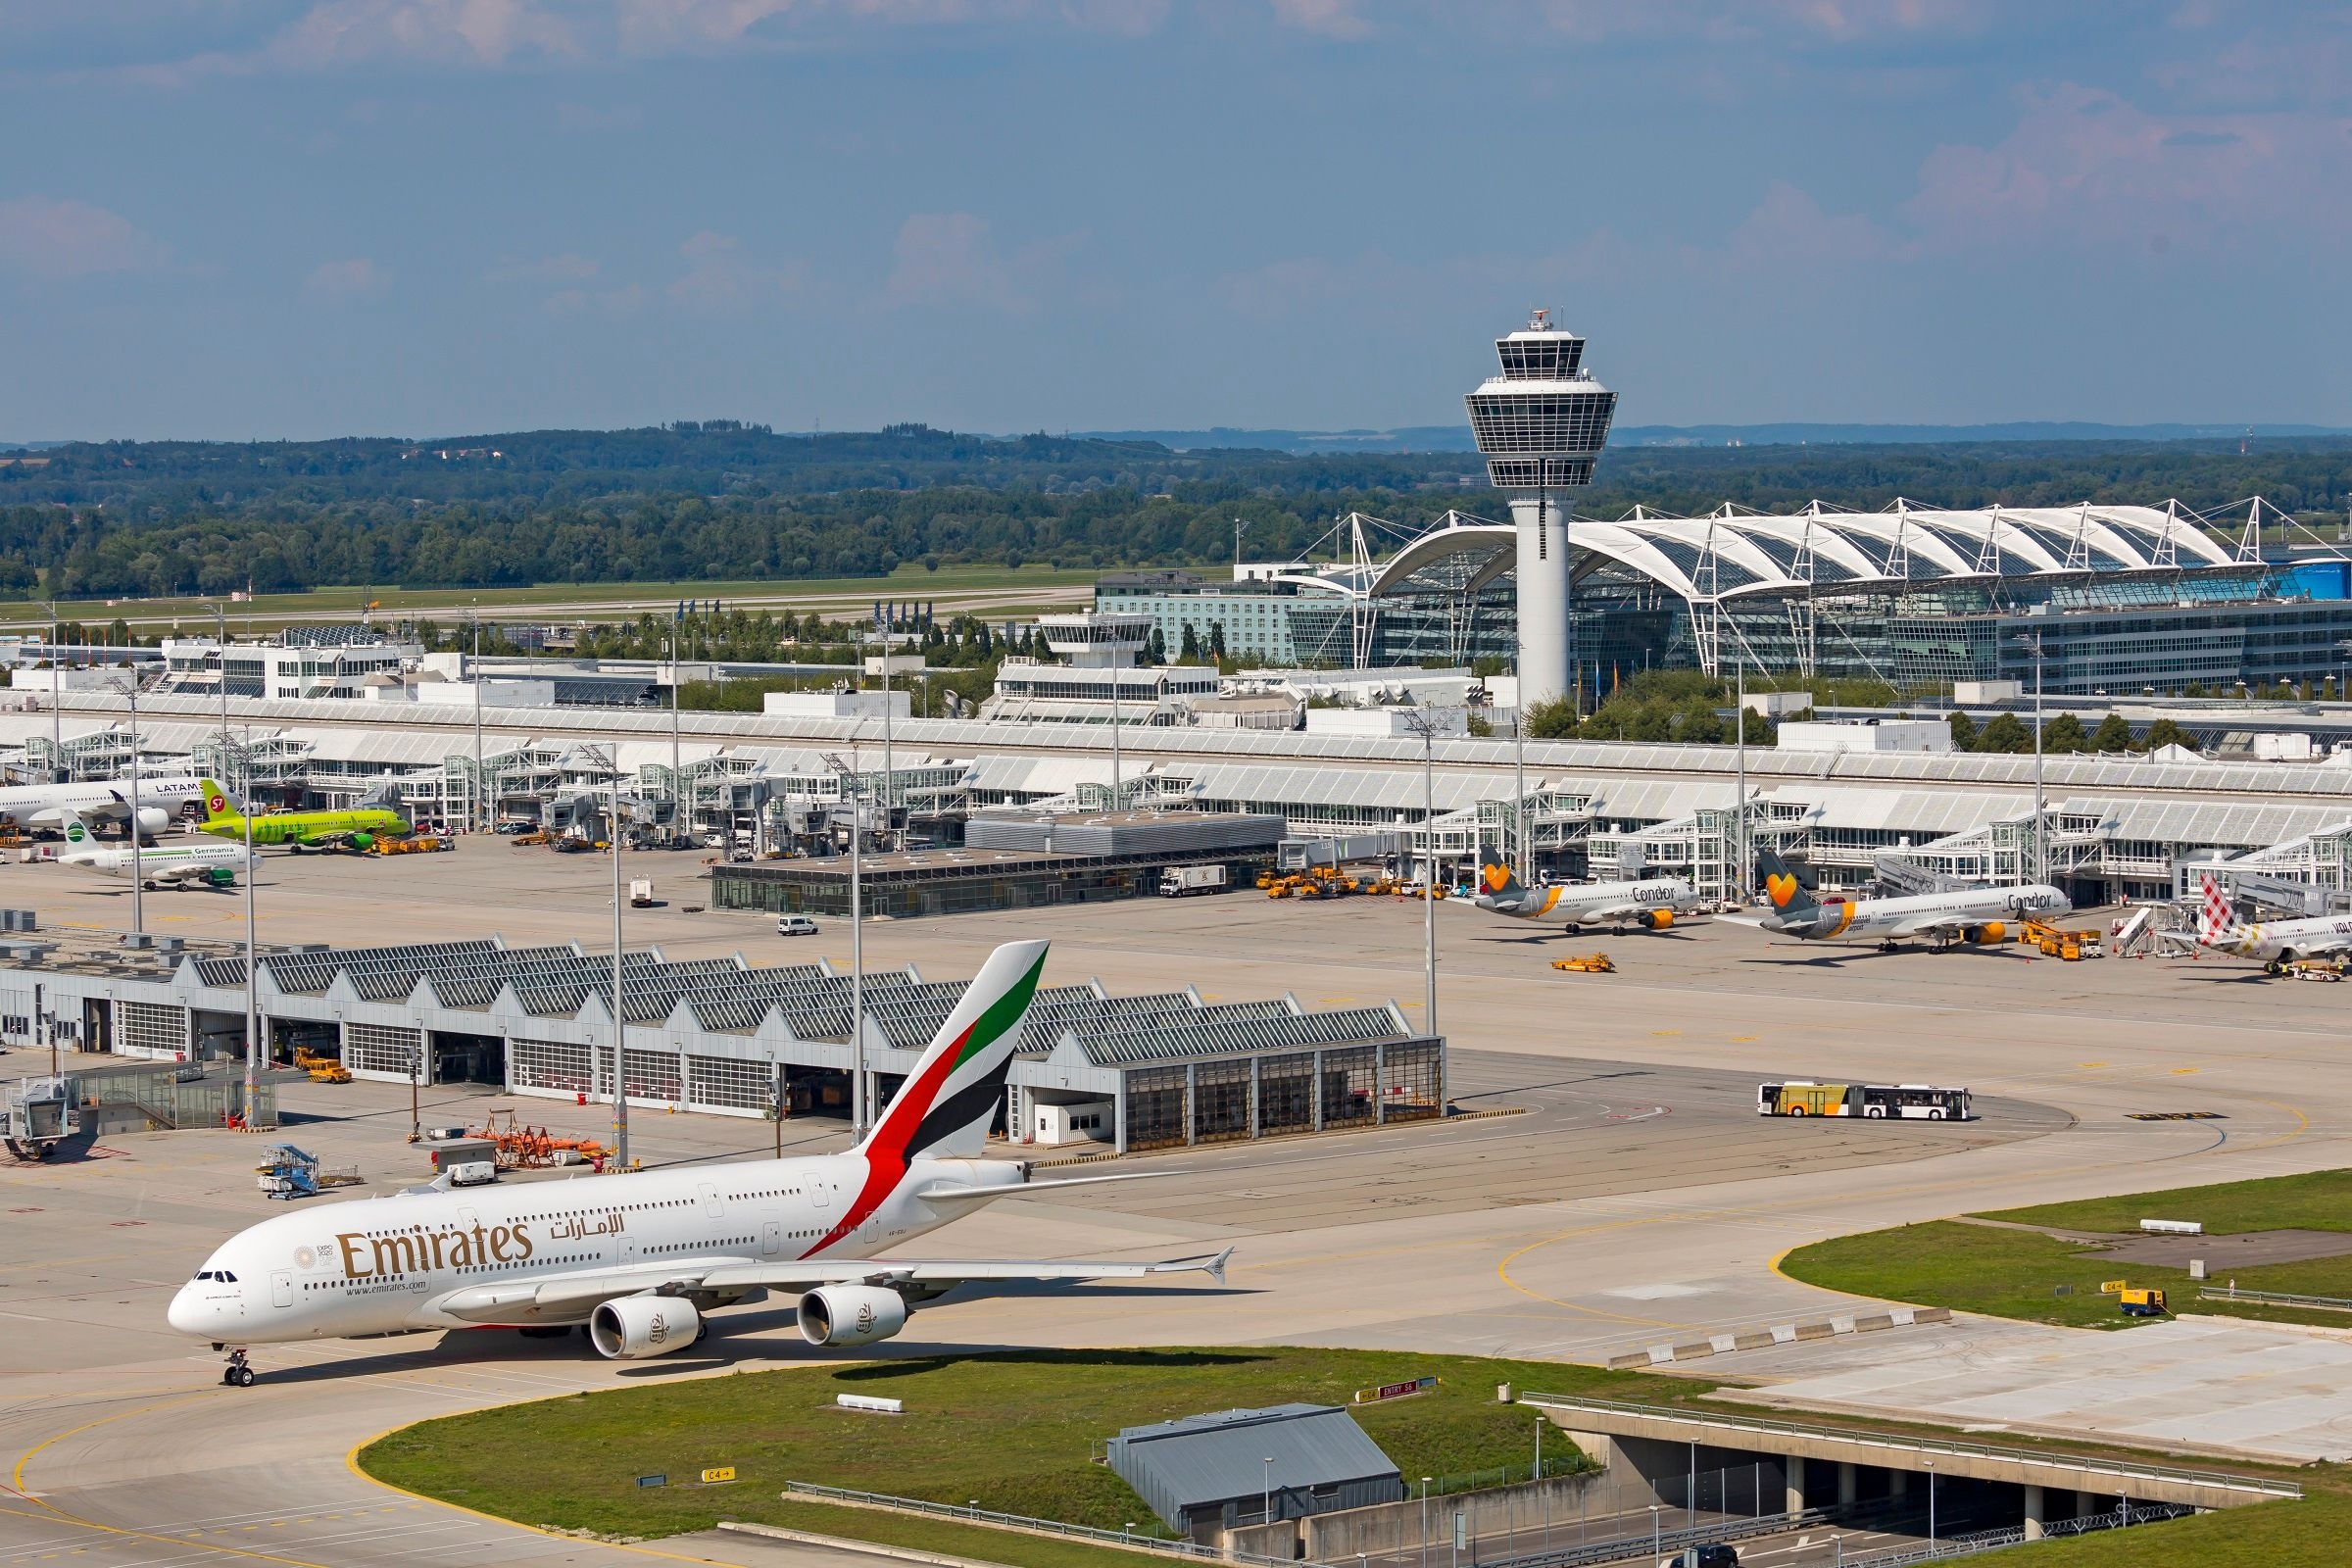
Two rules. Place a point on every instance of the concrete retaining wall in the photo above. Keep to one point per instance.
(1392, 1527)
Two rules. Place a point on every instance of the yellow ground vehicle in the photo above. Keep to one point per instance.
(420, 844)
(2068, 945)
(1265, 880)
(323, 1069)
(1589, 963)
(2140, 1303)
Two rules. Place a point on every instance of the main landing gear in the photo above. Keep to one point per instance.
(238, 1374)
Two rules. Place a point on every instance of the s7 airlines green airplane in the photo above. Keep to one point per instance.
(356, 829)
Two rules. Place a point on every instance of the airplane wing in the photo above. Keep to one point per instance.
(584, 1290)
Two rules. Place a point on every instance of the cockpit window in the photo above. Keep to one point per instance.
(221, 1274)
(204, 1273)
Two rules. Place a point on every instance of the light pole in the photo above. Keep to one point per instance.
(220, 619)
(1117, 795)
(620, 1054)
(848, 784)
(251, 945)
(1930, 1468)
(1265, 1503)
(130, 687)
(1654, 1510)
(57, 695)
(2041, 858)
(681, 821)
(1425, 1480)
(1741, 871)
(1525, 852)
(1419, 720)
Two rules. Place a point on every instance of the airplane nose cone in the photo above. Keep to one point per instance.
(186, 1314)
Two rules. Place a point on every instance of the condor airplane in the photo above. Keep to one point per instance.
(1972, 915)
(1651, 904)
(640, 1261)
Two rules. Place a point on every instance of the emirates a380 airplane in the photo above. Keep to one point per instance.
(642, 1260)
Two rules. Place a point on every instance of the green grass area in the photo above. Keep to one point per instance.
(910, 581)
(2020, 1274)
(2320, 1201)
(1017, 1431)
(2310, 1533)
(1972, 1268)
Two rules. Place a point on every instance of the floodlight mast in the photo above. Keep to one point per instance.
(849, 786)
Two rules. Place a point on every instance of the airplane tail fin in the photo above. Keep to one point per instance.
(2217, 916)
(1495, 879)
(1781, 885)
(944, 1107)
(216, 802)
(76, 831)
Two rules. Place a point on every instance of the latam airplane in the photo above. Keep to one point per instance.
(1652, 903)
(1972, 915)
(160, 800)
(640, 1261)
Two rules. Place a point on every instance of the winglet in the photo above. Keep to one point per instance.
(1216, 1265)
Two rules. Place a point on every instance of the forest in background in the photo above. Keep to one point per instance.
(722, 500)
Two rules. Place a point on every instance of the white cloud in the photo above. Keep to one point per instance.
(718, 276)
(570, 266)
(462, 33)
(52, 238)
(354, 277)
(949, 258)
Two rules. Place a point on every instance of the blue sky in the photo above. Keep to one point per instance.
(302, 218)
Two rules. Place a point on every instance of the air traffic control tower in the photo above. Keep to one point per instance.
(1539, 425)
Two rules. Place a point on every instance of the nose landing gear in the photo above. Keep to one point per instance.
(238, 1374)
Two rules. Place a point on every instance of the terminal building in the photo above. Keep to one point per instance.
(724, 1036)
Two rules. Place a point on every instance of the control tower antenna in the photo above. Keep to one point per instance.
(1541, 423)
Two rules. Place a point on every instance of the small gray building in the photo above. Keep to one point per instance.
(1207, 1474)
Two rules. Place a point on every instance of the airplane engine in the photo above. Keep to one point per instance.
(1660, 919)
(153, 820)
(850, 1314)
(634, 1327)
(363, 841)
(1991, 934)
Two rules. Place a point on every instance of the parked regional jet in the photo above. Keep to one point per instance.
(213, 865)
(357, 828)
(2267, 942)
(160, 800)
(640, 1261)
(1972, 915)
(1654, 904)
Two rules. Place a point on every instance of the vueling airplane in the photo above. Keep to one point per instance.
(356, 829)
(180, 866)
(1972, 915)
(1652, 903)
(640, 1261)
(2271, 942)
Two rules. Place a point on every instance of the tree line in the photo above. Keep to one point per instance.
(720, 500)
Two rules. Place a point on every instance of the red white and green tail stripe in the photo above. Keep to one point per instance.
(944, 1107)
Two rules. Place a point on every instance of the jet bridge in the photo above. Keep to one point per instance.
(38, 1114)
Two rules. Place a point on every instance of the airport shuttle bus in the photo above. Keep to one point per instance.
(1918, 1102)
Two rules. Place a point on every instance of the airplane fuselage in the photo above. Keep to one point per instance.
(48, 805)
(1920, 914)
(1595, 902)
(171, 862)
(388, 1265)
(2270, 941)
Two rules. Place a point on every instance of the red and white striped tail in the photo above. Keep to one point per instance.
(2216, 916)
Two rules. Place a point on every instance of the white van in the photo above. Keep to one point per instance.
(795, 925)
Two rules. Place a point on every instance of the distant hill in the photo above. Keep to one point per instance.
(1456, 438)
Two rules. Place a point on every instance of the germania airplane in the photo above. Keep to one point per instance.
(640, 1261)
(160, 800)
(213, 865)
(1652, 903)
(1973, 915)
(2267, 942)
